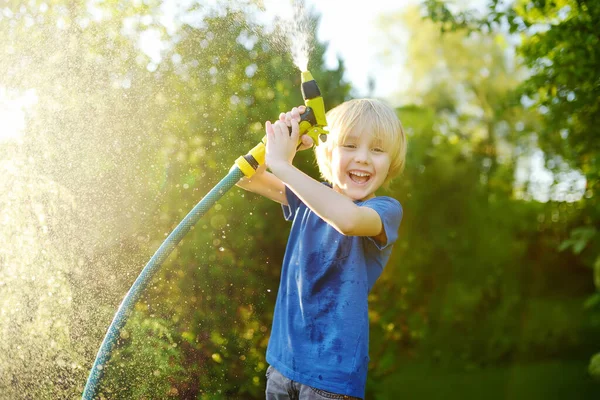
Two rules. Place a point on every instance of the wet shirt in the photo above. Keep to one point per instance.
(320, 332)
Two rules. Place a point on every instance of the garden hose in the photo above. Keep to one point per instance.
(146, 275)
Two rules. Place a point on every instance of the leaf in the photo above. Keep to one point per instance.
(592, 301)
(594, 367)
(565, 245)
(579, 239)
(579, 246)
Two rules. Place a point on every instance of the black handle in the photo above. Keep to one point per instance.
(308, 115)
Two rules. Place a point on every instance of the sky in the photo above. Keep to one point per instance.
(352, 33)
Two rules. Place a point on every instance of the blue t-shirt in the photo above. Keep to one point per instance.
(320, 332)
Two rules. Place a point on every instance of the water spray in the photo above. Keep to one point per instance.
(312, 123)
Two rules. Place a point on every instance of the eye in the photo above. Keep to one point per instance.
(378, 150)
(349, 146)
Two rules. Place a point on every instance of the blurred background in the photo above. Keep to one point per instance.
(116, 118)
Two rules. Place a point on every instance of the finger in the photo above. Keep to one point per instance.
(295, 131)
(269, 129)
(288, 118)
(285, 127)
(280, 127)
(282, 116)
(307, 141)
(301, 109)
(295, 114)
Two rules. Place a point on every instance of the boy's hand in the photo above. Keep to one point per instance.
(281, 144)
(307, 141)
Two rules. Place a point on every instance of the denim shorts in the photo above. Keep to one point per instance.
(281, 388)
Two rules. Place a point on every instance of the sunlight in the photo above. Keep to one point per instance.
(534, 181)
(13, 107)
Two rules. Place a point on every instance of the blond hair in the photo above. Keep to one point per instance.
(364, 116)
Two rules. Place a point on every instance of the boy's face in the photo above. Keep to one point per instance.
(359, 166)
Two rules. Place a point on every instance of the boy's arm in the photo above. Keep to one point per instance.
(334, 208)
(266, 184)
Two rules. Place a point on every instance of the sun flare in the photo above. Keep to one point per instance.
(13, 107)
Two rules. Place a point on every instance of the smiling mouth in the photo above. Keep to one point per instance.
(359, 177)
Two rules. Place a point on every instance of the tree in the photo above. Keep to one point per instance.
(468, 81)
(560, 46)
(471, 281)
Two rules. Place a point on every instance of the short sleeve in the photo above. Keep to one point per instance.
(390, 212)
(294, 202)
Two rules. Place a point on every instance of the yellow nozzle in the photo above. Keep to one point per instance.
(313, 100)
(306, 76)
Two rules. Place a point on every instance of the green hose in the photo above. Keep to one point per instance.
(146, 275)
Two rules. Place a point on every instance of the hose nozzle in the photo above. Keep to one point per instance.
(312, 123)
(315, 110)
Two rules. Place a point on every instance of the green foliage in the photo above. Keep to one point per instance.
(148, 361)
(476, 280)
(559, 46)
(535, 381)
(594, 368)
(579, 239)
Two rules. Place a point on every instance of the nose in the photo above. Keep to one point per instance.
(362, 155)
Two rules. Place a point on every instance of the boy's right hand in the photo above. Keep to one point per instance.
(307, 141)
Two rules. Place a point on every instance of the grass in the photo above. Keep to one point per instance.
(547, 380)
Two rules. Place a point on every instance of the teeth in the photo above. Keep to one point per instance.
(360, 174)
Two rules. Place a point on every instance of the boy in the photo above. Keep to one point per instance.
(341, 238)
